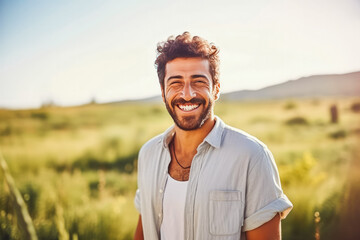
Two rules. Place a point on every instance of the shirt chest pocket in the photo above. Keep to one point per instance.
(225, 213)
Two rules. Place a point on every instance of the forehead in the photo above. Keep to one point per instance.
(187, 66)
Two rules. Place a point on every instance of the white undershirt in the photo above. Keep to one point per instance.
(172, 227)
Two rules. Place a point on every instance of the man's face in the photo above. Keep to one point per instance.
(188, 92)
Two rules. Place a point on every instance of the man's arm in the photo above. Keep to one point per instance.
(139, 235)
(270, 230)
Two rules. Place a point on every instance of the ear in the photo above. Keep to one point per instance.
(163, 94)
(216, 91)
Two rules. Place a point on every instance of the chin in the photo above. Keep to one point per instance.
(191, 123)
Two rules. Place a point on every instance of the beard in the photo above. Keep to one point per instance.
(189, 123)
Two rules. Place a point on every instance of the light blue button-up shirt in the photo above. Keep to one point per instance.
(233, 187)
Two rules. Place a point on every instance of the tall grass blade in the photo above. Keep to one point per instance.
(23, 218)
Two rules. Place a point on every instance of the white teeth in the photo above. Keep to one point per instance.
(188, 107)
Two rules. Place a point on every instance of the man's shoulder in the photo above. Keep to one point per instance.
(152, 143)
(241, 141)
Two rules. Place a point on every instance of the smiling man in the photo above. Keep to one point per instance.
(202, 179)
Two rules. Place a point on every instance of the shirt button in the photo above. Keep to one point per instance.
(160, 191)
(159, 215)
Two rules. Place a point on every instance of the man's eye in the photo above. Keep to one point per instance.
(200, 81)
(175, 83)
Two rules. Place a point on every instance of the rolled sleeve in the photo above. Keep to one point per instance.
(264, 197)
(281, 205)
(137, 200)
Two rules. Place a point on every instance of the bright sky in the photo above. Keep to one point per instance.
(70, 52)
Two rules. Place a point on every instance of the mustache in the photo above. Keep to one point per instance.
(183, 101)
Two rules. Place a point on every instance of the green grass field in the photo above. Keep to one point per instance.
(76, 167)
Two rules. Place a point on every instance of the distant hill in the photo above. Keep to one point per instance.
(312, 86)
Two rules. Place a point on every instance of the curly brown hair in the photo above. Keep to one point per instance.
(184, 46)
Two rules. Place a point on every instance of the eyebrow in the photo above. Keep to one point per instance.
(192, 76)
(174, 77)
(199, 76)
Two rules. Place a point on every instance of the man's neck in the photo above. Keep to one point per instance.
(188, 141)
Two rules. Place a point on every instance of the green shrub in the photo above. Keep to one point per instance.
(338, 134)
(297, 121)
(40, 115)
(6, 130)
(290, 105)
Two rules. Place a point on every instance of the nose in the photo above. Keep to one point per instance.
(187, 92)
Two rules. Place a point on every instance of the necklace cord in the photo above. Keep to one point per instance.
(173, 149)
